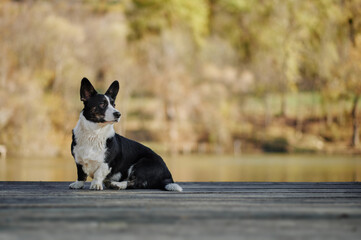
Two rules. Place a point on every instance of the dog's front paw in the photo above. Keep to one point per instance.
(76, 185)
(95, 185)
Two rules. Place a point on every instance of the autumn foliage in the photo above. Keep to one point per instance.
(196, 76)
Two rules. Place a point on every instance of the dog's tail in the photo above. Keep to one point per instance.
(169, 185)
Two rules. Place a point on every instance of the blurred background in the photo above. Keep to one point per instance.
(224, 90)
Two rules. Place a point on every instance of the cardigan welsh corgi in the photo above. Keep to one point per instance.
(108, 158)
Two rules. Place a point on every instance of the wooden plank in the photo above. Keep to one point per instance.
(49, 210)
(190, 185)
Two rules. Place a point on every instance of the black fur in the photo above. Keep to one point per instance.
(73, 143)
(113, 90)
(82, 176)
(95, 107)
(149, 170)
(96, 104)
(86, 90)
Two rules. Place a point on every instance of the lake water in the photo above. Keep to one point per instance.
(262, 167)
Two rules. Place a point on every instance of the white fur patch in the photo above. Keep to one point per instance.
(119, 185)
(77, 185)
(173, 187)
(130, 170)
(96, 185)
(116, 177)
(109, 116)
(102, 171)
(99, 175)
(90, 148)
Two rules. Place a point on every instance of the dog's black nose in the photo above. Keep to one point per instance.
(116, 114)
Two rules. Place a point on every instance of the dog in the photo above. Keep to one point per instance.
(108, 158)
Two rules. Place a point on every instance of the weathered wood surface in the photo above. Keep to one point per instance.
(49, 210)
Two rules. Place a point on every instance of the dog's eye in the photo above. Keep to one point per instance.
(103, 104)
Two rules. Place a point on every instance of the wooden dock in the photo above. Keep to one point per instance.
(237, 210)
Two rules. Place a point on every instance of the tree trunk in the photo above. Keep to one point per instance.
(267, 111)
(352, 32)
(355, 124)
(211, 4)
(341, 117)
(283, 105)
(299, 116)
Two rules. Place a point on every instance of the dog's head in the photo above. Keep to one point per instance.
(99, 108)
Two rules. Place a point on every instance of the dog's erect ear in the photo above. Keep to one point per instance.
(113, 90)
(86, 90)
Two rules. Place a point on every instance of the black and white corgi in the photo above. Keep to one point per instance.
(108, 158)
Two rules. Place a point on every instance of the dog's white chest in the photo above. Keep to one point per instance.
(90, 149)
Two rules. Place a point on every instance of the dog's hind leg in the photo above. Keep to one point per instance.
(115, 185)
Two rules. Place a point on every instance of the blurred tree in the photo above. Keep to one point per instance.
(352, 64)
(166, 35)
(149, 17)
